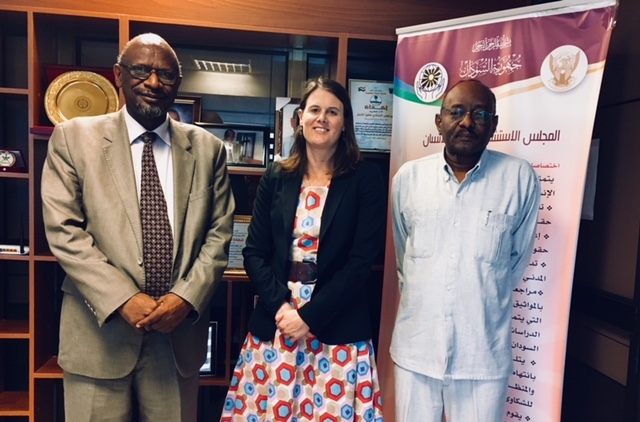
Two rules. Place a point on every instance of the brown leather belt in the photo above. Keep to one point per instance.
(305, 272)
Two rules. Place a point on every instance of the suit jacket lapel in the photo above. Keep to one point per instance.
(290, 193)
(183, 169)
(336, 193)
(117, 153)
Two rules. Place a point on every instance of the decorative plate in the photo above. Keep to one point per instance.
(79, 93)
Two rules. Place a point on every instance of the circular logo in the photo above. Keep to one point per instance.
(83, 103)
(7, 159)
(431, 82)
(564, 68)
(375, 100)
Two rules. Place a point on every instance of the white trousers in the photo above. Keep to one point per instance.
(423, 399)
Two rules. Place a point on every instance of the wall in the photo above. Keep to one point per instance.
(602, 357)
(608, 248)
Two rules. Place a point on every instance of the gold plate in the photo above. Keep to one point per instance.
(79, 93)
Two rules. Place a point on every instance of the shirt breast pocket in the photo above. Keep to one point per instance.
(493, 242)
(423, 240)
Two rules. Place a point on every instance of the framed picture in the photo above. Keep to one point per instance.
(246, 145)
(186, 109)
(372, 103)
(287, 121)
(210, 364)
(238, 240)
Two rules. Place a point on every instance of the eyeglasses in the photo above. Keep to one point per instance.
(478, 116)
(142, 72)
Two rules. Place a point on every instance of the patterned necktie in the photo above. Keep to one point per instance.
(156, 230)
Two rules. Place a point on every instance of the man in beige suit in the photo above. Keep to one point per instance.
(124, 352)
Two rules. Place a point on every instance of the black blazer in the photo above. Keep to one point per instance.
(351, 237)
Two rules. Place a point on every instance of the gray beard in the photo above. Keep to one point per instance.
(150, 111)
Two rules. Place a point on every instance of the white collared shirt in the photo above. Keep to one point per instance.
(461, 249)
(162, 155)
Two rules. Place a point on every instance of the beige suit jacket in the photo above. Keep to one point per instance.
(92, 222)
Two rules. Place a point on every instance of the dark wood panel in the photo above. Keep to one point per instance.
(195, 36)
(590, 396)
(620, 82)
(374, 17)
(608, 245)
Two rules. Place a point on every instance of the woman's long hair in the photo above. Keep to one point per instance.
(347, 153)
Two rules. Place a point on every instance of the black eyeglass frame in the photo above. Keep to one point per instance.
(475, 115)
(143, 72)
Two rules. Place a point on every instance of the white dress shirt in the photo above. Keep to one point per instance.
(162, 155)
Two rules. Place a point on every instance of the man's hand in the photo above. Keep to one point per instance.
(137, 308)
(169, 313)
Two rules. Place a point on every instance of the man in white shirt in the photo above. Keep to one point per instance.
(464, 222)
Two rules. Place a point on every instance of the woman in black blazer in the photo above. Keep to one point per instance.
(316, 229)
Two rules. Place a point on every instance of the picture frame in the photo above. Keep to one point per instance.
(372, 103)
(186, 109)
(247, 146)
(287, 121)
(210, 365)
(238, 241)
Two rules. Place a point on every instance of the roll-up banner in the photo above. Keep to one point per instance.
(545, 65)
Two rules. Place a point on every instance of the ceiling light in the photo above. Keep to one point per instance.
(223, 67)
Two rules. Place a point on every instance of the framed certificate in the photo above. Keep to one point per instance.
(372, 103)
(238, 240)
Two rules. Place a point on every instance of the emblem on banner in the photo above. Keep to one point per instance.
(431, 82)
(564, 68)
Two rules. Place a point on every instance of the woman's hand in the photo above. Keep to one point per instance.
(290, 324)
